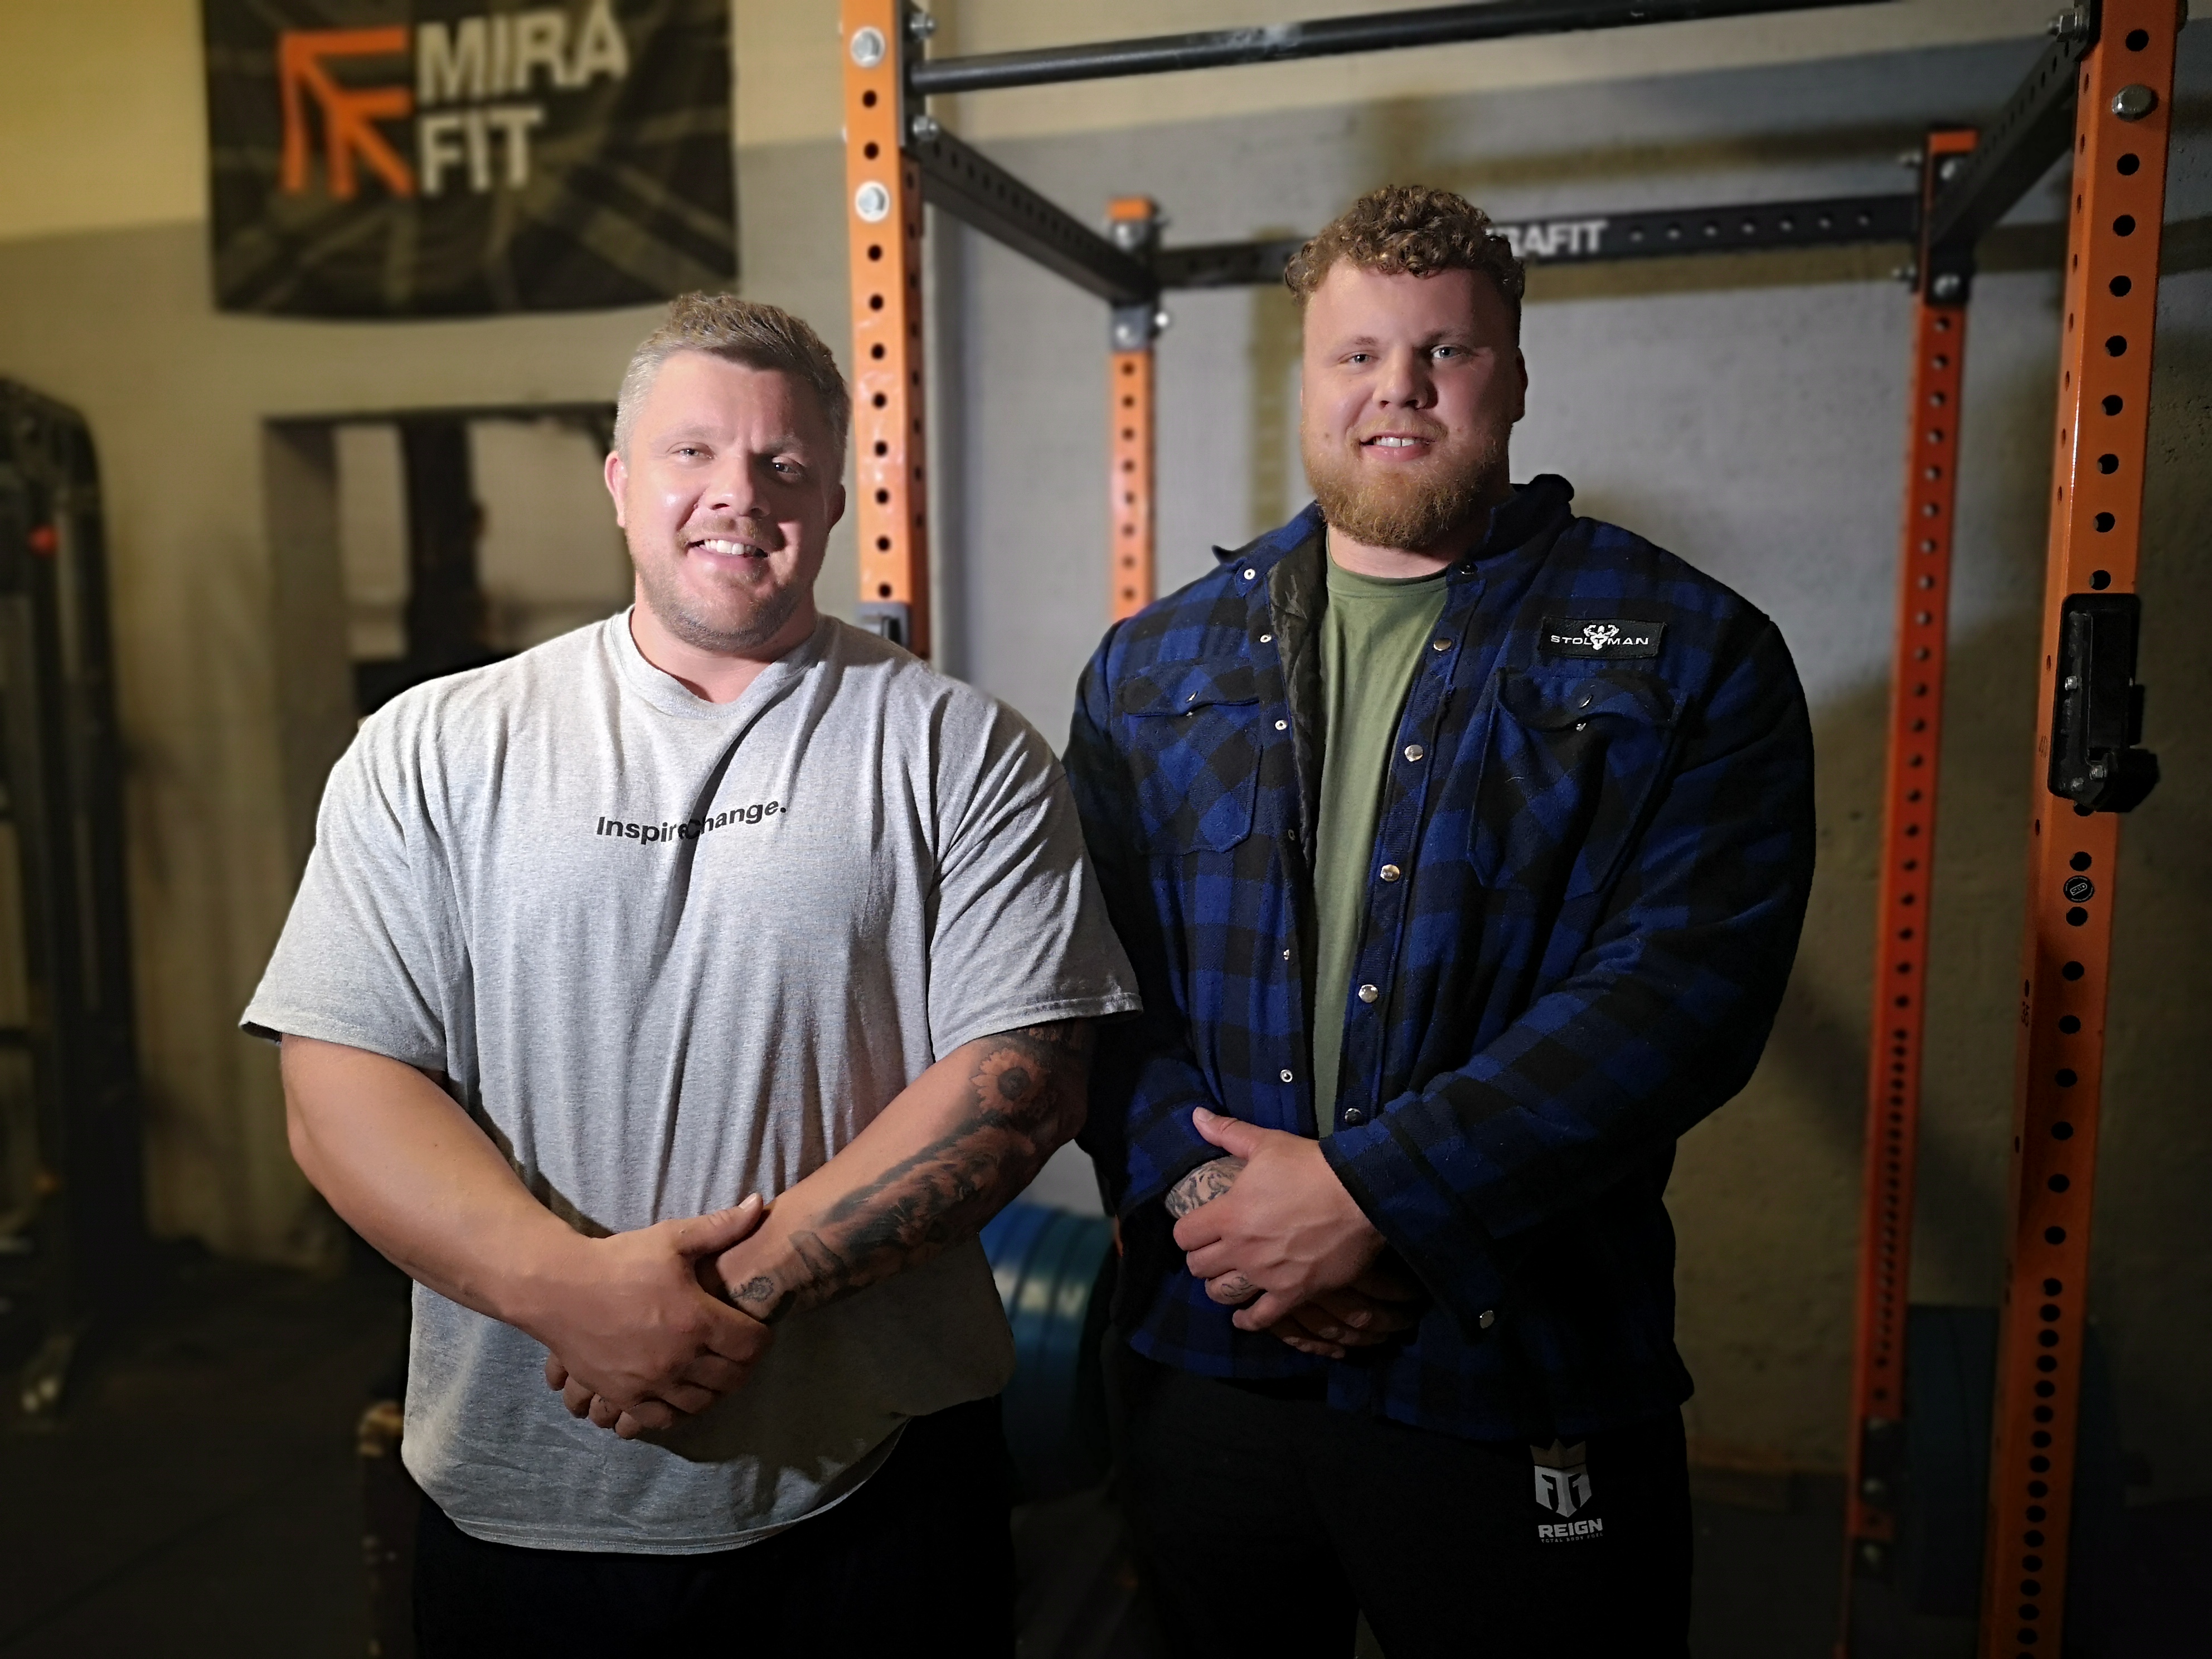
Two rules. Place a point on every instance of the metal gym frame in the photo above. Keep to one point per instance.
(2104, 90)
(2103, 86)
(73, 1253)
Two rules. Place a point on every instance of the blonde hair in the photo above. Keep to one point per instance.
(1418, 232)
(747, 331)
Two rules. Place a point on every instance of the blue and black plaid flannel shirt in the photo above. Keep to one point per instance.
(1588, 874)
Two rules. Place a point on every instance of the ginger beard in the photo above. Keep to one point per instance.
(1408, 507)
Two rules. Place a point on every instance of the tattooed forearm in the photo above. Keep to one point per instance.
(1203, 1185)
(1011, 1102)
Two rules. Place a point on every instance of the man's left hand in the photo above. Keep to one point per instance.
(1288, 1225)
(656, 1413)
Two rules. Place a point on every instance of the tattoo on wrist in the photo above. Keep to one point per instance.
(1023, 1084)
(1203, 1185)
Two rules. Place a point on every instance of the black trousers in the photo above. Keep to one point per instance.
(920, 1559)
(1267, 1522)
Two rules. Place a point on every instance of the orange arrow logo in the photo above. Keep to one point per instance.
(347, 113)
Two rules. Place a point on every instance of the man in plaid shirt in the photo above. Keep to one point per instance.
(1462, 846)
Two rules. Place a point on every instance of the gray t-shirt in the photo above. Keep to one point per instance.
(669, 952)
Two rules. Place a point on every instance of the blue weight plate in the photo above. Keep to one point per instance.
(1039, 1291)
(1060, 1355)
(1037, 1400)
(1008, 1238)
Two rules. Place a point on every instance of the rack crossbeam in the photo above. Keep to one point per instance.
(2017, 148)
(1327, 37)
(976, 190)
(1598, 238)
(1226, 265)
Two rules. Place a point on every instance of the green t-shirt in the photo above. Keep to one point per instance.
(1372, 637)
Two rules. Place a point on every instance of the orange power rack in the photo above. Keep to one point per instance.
(1900, 1009)
(1133, 223)
(883, 221)
(2087, 766)
(2123, 107)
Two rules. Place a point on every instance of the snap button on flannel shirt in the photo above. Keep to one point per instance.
(1605, 860)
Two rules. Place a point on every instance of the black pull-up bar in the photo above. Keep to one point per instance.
(1976, 190)
(1327, 37)
(1590, 239)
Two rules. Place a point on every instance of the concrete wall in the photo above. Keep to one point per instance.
(1745, 411)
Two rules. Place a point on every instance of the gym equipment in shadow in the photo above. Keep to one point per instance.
(1055, 1271)
(72, 1208)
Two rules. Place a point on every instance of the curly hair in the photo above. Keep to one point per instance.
(747, 331)
(1418, 232)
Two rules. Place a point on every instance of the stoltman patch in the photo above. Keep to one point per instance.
(1599, 636)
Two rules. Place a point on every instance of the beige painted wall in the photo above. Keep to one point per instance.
(118, 323)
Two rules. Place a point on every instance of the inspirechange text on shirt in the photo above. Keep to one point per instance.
(688, 829)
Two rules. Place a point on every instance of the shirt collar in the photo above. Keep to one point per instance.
(672, 697)
(1532, 509)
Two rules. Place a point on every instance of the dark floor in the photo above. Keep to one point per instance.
(201, 1496)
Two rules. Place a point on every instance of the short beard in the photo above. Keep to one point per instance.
(762, 623)
(1412, 513)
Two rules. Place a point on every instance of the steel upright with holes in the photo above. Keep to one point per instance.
(2088, 716)
(1129, 377)
(883, 221)
(1908, 840)
(1133, 222)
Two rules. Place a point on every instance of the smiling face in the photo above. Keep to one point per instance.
(1410, 388)
(725, 494)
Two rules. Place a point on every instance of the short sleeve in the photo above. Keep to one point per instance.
(371, 949)
(1019, 934)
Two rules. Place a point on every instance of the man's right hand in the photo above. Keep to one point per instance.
(636, 1338)
(1371, 1310)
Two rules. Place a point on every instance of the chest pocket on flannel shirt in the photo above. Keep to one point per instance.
(1194, 738)
(1573, 758)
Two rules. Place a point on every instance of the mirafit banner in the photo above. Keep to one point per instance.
(376, 158)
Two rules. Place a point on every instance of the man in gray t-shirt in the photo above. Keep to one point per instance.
(716, 899)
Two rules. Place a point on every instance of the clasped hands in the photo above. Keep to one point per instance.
(1273, 1233)
(640, 1333)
